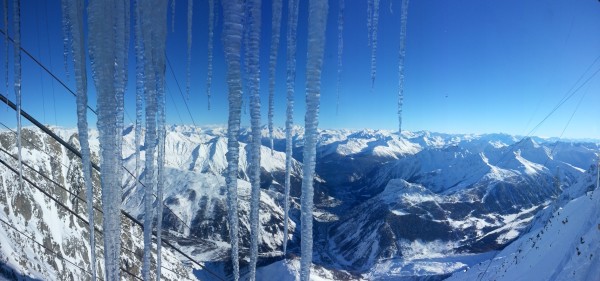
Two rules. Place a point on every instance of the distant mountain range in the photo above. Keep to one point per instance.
(419, 205)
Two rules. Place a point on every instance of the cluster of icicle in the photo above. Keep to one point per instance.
(108, 39)
(108, 24)
(153, 21)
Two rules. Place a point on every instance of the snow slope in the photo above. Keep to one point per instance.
(562, 244)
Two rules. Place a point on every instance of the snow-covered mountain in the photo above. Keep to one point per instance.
(562, 243)
(40, 239)
(386, 206)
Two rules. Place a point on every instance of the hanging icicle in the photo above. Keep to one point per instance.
(340, 51)
(172, 15)
(402, 54)
(162, 134)
(275, 30)
(105, 19)
(290, 84)
(211, 27)
(67, 35)
(121, 12)
(317, 21)
(5, 19)
(190, 12)
(246, 90)
(153, 19)
(254, 20)
(374, 24)
(139, 88)
(369, 21)
(75, 13)
(17, 78)
(233, 28)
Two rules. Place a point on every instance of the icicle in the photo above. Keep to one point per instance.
(233, 14)
(172, 15)
(75, 13)
(211, 27)
(403, 21)
(340, 51)
(153, 18)
(254, 20)
(108, 42)
(139, 91)
(275, 30)
(369, 21)
(5, 17)
(290, 84)
(189, 46)
(161, 174)
(66, 34)
(121, 12)
(317, 21)
(102, 38)
(246, 82)
(374, 24)
(17, 78)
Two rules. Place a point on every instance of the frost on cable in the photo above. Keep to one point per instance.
(75, 11)
(275, 30)
(190, 11)
(290, 84)
(373, 31)
(108, 55)
(153, 25)
(233, 14)
(254, 18)
(402, 54)
(317, 21)
(211, 27)
(340, 50)
(17, 78)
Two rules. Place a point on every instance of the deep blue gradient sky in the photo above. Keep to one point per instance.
(472, 66)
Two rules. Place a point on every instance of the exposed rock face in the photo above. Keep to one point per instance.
(63, 251)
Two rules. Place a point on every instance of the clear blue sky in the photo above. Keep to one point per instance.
(472, 66)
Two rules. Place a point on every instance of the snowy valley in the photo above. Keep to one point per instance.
(420, 206)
